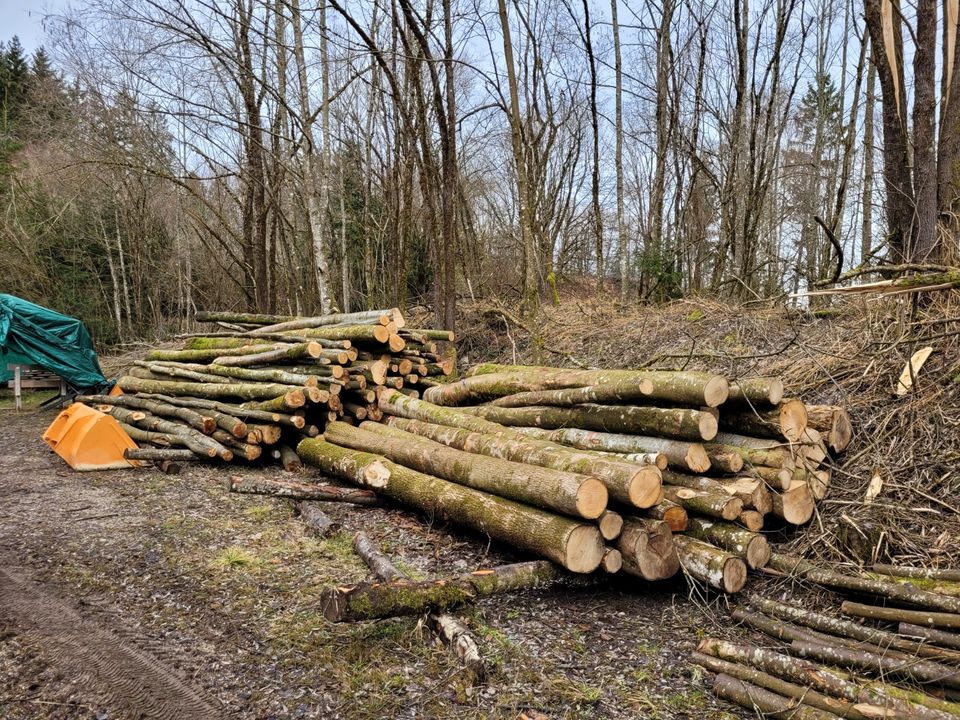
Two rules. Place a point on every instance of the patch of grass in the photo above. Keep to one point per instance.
(30, 399)
(235, 557)
(259, 512)
(696, 315)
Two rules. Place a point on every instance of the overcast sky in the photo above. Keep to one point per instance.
(24, 18)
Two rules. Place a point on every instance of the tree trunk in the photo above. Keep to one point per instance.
(794, 506)
(674, 515)
(159, 454)
(756, 391)
(709, 564)
(622, 244)
(289, 459)
(627, 482)
(610, 524)
(208, 354)
(788, 420)
(670, 422)
(711, 504)
(925, 242)
(576, 546)
(199, 422)
(750, 546)
(770, 704)
(302, 491)
(198, 442)
(293, 397)
(232, 412)
(915, 617)
(371, 601)
(938, 637)
(293, 352)
(563, 492)
(647, 549)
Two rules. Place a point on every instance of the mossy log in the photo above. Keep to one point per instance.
(627, 482)
(367, 317)
(302, 491)
(712, 504)
(490, 387)
(209, 354)
(278, 375)
(833, 423)
(779, 458)
(199, 443)
(564, 492)
(800, 694)
(753, 548)
(214, 342)
(876, 699)
(674, 515)
(756, 391)
(711, 565)
(231, 414)
(752, 493)
(787, 420)
(647, 549)
(211, 316)
(279, 354)
(395, 403)
(371, 601)
(574, 545)
(923, 671)
(776, 478)
(379, 334)
(202, 423)
(853, 630)
(668, 422)
(611, 393)
(680, 454)
(890, 614)
(867, 586)
(245, 391)
(166, 371)
(794, 506)
(287, 403)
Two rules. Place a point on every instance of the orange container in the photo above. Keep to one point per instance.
(89, 439)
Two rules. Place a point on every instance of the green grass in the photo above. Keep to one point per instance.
(235, 557)
(32, 399)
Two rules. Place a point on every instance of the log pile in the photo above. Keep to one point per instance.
(831, 666)
(637, 473)
(258, 384)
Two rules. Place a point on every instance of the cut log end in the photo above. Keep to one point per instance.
(793, 419)
(758, 552)
(592, 498)
(612, 560)
(751, 520)
(376, 475)
(734, 575)
(697, 459)
(610, 524)
(584, 549)
(708, 426)
(716, 391)
(646, 487)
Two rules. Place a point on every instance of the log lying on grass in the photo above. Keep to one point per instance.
(647, 549)
(568, 493)
(316, 520)
(672, 422)
(370, 601)
(576, 546)
(711, 565)
(302, 491)
(627, 482)
(159, 454)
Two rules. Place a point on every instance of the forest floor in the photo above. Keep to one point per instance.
(137, 594)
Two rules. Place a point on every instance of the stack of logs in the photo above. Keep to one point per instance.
(830, 666)
(260, 383)
(622, 470)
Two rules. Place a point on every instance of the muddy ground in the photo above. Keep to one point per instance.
(132, 594)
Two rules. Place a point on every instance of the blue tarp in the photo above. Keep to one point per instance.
(31, 334)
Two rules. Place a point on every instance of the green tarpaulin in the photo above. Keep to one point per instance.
(34, 335)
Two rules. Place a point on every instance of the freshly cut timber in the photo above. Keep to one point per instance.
(245, 391)
(680, 454)
(575, 545)
(610, 524)
(772, 704)
(867, 586)
(302, 491)
(566, 397)
(198, 442)
(751, 520)
(395, 403)
(750, 546)
(293, 421)
(921, 573)
(647, 549)
(778, 457)
(794, 506)
(711, 504)
(612, 560)
(627, 482)
(370, 601)
(671, 422)
(289, 459)
(280, 375)
(787, 420)
(208, 354)
(756, 391)
(367, 317)
(675, 516)
(240, 318)
(915, 617)
(710, 564)
(752, 493)
(568, 493)
(798, 693)
(776, 478)
(199, 422)
(833, 423)
(267, 356)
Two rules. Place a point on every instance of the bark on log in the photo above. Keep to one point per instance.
(210, 316)
(849, 629)
(867, 586)
(776, 478)
(798, 693)
(657, 459)
(292, 352)
(576, 546)
(367, 317)
(627, 482)
(610, 524)
(711, 504)
(395, 403)
(283, 376)
(756, 443)
(711, 565)
(756, 391)
(371, 601)
(207, 355)
(922, 573)
(752, 493)
(647, 549)
(775, 457)
(922, 671)
(564, 492)
(670, 422)
(877, 699)
(316, 520)
(681, 455)
(915, 617)
(674, 515)
(302, 491)
(139, 435)
(166, 372)
(284, 404)
(246, 391)
(567, 397)
(770, 704)
(787, 420)
(750, 546)
(289, 459)
(199, 443)
(232, 413)
(938, 637)
(354, 333)
(159, 454)
(248, 451)
(201, 423)
(450, 628)
(794, 506)
(833, 423)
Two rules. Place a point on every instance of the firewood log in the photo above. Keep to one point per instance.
(711, 565)
(199, 422)
(922, 573)
(751, 520)
(771, 704)
(647, 549)
(833, 423)
(201, 444)
(711, 504)
(755, 391)
(795, 505)
(610, 524)
(159, 454)
(674, 515)
(232, 412)
(787, 420)
(612, 560)
(916, 617)
(938, 637)
(750, 546)
(245, 391)
(316, 520)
